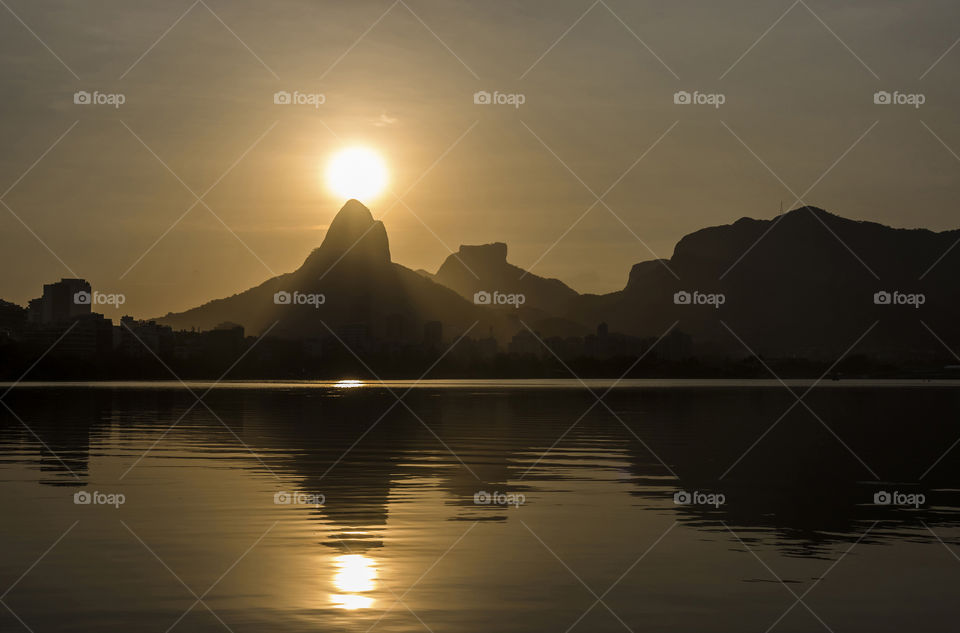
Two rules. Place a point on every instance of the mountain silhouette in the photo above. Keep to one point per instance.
(802, 284)
(360, 287)
(485, 268)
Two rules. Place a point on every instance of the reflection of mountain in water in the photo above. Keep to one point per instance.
(66, 427)
(365, 452)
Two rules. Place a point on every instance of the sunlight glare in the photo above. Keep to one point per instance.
(357, 172)
(355, 574)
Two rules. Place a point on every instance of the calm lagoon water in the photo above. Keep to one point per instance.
(480, 506)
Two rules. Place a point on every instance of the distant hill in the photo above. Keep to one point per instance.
(485, 268)
(798, 288)
(361, 290)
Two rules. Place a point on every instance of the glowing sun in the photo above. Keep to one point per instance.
(356, 172)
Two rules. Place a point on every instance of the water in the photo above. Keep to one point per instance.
(384, 532)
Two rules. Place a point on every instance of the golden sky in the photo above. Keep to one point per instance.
(109, 201)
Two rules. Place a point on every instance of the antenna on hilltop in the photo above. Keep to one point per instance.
(781, 207)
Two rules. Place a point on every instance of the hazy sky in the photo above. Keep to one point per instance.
(201, 98)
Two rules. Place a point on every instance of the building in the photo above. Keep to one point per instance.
(61, 302)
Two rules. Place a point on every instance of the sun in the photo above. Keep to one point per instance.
(357, 172)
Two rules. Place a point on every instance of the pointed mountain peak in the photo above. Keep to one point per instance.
(355, 209)
(355, 233)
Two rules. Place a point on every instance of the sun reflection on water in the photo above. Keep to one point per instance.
(347, 384)
(355, 574)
